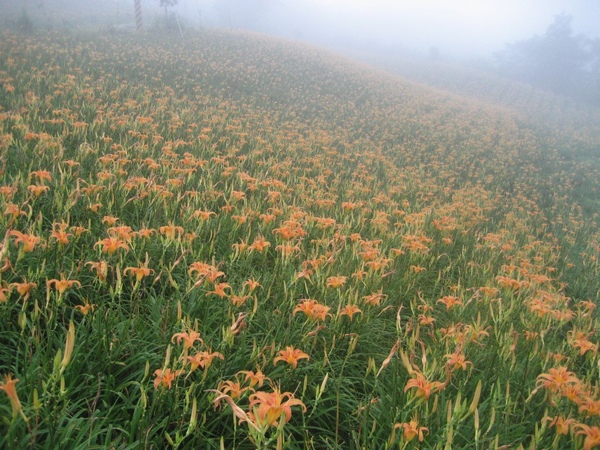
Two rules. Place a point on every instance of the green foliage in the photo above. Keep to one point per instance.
(201, 241)
(557, 61)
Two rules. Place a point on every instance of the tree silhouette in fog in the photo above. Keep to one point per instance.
(167, 3)
(558, 61)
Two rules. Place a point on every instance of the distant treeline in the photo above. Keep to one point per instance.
(558, 61)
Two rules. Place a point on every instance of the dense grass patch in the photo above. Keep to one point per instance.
(242, 242)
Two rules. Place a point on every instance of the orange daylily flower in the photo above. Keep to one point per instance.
(587, 305)
(190, 237)
(255, 378)
(411, 429)
(584, 346)
(205, 271)
(103, 176)
(359, 274)
(111, 245)
(287, 249)
(188, 338)
(138, 272)
(24, 288)
(4, 290)
(450, 301)
(306, 273)
(592, 435)
(556, 379)
(457, 361)
(29, 241)
(374, 299)
(472, 333)
(417, 247)
(110, 220)
(203, 215)
(424, 387)
(203, 359)
(71, 163)
(239, 300)
(252, 284)
(220, 290)
(378, 264)
(165, 377)
(397, 252)
(85, 308)
(100, 267)
(62, 285)
(369, 254)
(579, 340)
(237, 195)
(37, 190)
(425, 308)
(29, 136)
(42, 175)
(240, 219)
(575, 393)
(266, 408)
(9, 386)
(273, 196)
(8, 191)
(336, 282)
(171, 232)
(145, 233)
(312, 309)
(239, 247)
(233, 389)
(562, 425)
(291, 356)
(61, 236)
(121, 232)
(425, 320)
(260, 244)
(291, 229)
(14, 211)
(509, 283)
(350, 310)
(590, 407)
(267, 218)
(531, 335)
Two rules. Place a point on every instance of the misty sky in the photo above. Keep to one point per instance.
(461, 28)
(457, 28)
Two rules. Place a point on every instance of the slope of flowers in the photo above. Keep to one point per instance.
(529, 103)
(239, 242)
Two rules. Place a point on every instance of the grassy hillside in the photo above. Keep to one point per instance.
(520, 98)
(242, 242)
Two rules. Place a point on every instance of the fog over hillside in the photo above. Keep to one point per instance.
(552, 44)
(462, 28)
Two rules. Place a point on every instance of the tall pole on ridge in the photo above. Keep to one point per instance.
(138, 14)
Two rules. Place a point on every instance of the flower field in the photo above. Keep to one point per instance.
(240, 242)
